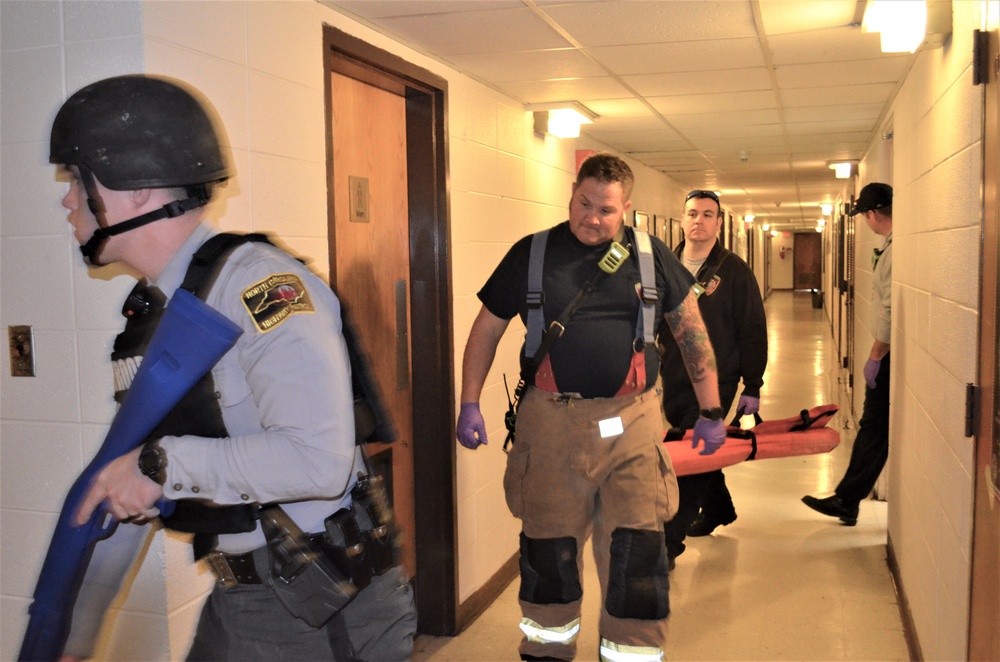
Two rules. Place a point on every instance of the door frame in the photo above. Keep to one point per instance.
(984, 594)
(426, 94)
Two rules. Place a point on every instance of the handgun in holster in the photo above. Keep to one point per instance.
(305, 580)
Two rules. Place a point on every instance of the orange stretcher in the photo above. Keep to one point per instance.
(805, 434)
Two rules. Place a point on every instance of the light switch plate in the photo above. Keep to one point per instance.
(22, 351)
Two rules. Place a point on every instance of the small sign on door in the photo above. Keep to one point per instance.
(359, 199)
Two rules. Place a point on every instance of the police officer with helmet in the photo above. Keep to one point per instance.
(268, 438)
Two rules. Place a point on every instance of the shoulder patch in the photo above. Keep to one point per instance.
(274, 299)
(712, 284)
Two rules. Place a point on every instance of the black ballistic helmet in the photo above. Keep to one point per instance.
(138, 131)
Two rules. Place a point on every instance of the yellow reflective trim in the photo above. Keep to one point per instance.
(612, 652)
(565, 634)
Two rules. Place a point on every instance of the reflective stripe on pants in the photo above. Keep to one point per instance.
(612, 652)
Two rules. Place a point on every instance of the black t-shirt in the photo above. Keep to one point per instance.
(593, 356)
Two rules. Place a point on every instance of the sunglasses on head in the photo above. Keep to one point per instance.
(702, 194)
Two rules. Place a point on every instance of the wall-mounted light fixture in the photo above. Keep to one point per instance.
(906, 25)
(843, 169)
(562, 119)
(826, 208)
(749, 218)
(765, 227)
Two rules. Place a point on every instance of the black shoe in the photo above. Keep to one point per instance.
(834, 506)
(702, 525)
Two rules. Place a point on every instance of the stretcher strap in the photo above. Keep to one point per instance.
(810, 421)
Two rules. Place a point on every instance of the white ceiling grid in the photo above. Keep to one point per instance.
(683, 86)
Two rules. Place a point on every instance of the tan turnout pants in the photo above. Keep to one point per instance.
(590, 466)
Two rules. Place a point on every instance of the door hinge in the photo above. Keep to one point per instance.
(980, 57)
(971, 407)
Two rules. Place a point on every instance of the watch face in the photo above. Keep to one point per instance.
(151, 462)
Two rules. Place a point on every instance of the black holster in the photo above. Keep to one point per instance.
(361, 538)
(306, 580)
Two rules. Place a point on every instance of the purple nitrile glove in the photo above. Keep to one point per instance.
(471, 428)
(871, 371)
(748, 405)
(713, 432)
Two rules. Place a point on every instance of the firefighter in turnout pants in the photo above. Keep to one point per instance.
(587, 455)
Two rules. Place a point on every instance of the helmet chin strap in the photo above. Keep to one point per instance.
(92, 249)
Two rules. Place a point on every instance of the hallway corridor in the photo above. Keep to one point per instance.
(780, 583)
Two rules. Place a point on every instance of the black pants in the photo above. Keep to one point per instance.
(871, 446)
(706, 493)
(698, 492)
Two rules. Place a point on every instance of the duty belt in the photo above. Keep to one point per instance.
(234, 569)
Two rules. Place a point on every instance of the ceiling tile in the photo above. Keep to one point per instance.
(611, 125)
(491, 31)
(783, 16)
(612, 23)
(833, 112)
(384, 8)
(732, 80)
(674, 57)
(630, 107)
(693, 103)
(856, 72)
(837, 94)
(834, 45)
(527, 65)
(721, 116)
(570, 89)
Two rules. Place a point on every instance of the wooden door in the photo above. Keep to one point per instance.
(808, 261)
(984, 631)
(372, 263)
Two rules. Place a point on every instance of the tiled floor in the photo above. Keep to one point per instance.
(780, 583)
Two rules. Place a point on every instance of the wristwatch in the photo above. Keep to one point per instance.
(153, 461)
(713, 414)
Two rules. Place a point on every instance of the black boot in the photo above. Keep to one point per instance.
(705, 524)
(834, 506)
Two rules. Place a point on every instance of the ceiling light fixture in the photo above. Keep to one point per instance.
(843, 169)
(561, 120)
(749, 218)
(906, 25)
(826, 208)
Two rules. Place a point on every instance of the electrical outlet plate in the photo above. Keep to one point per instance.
(22, 351)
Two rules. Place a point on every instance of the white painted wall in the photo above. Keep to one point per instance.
(936, 174)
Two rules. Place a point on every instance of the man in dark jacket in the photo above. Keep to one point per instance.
(733, 311)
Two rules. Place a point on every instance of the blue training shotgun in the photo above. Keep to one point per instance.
(190, 339)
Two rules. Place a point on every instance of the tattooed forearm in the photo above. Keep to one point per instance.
(692, 338)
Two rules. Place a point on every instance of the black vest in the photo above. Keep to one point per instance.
(198, 413)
